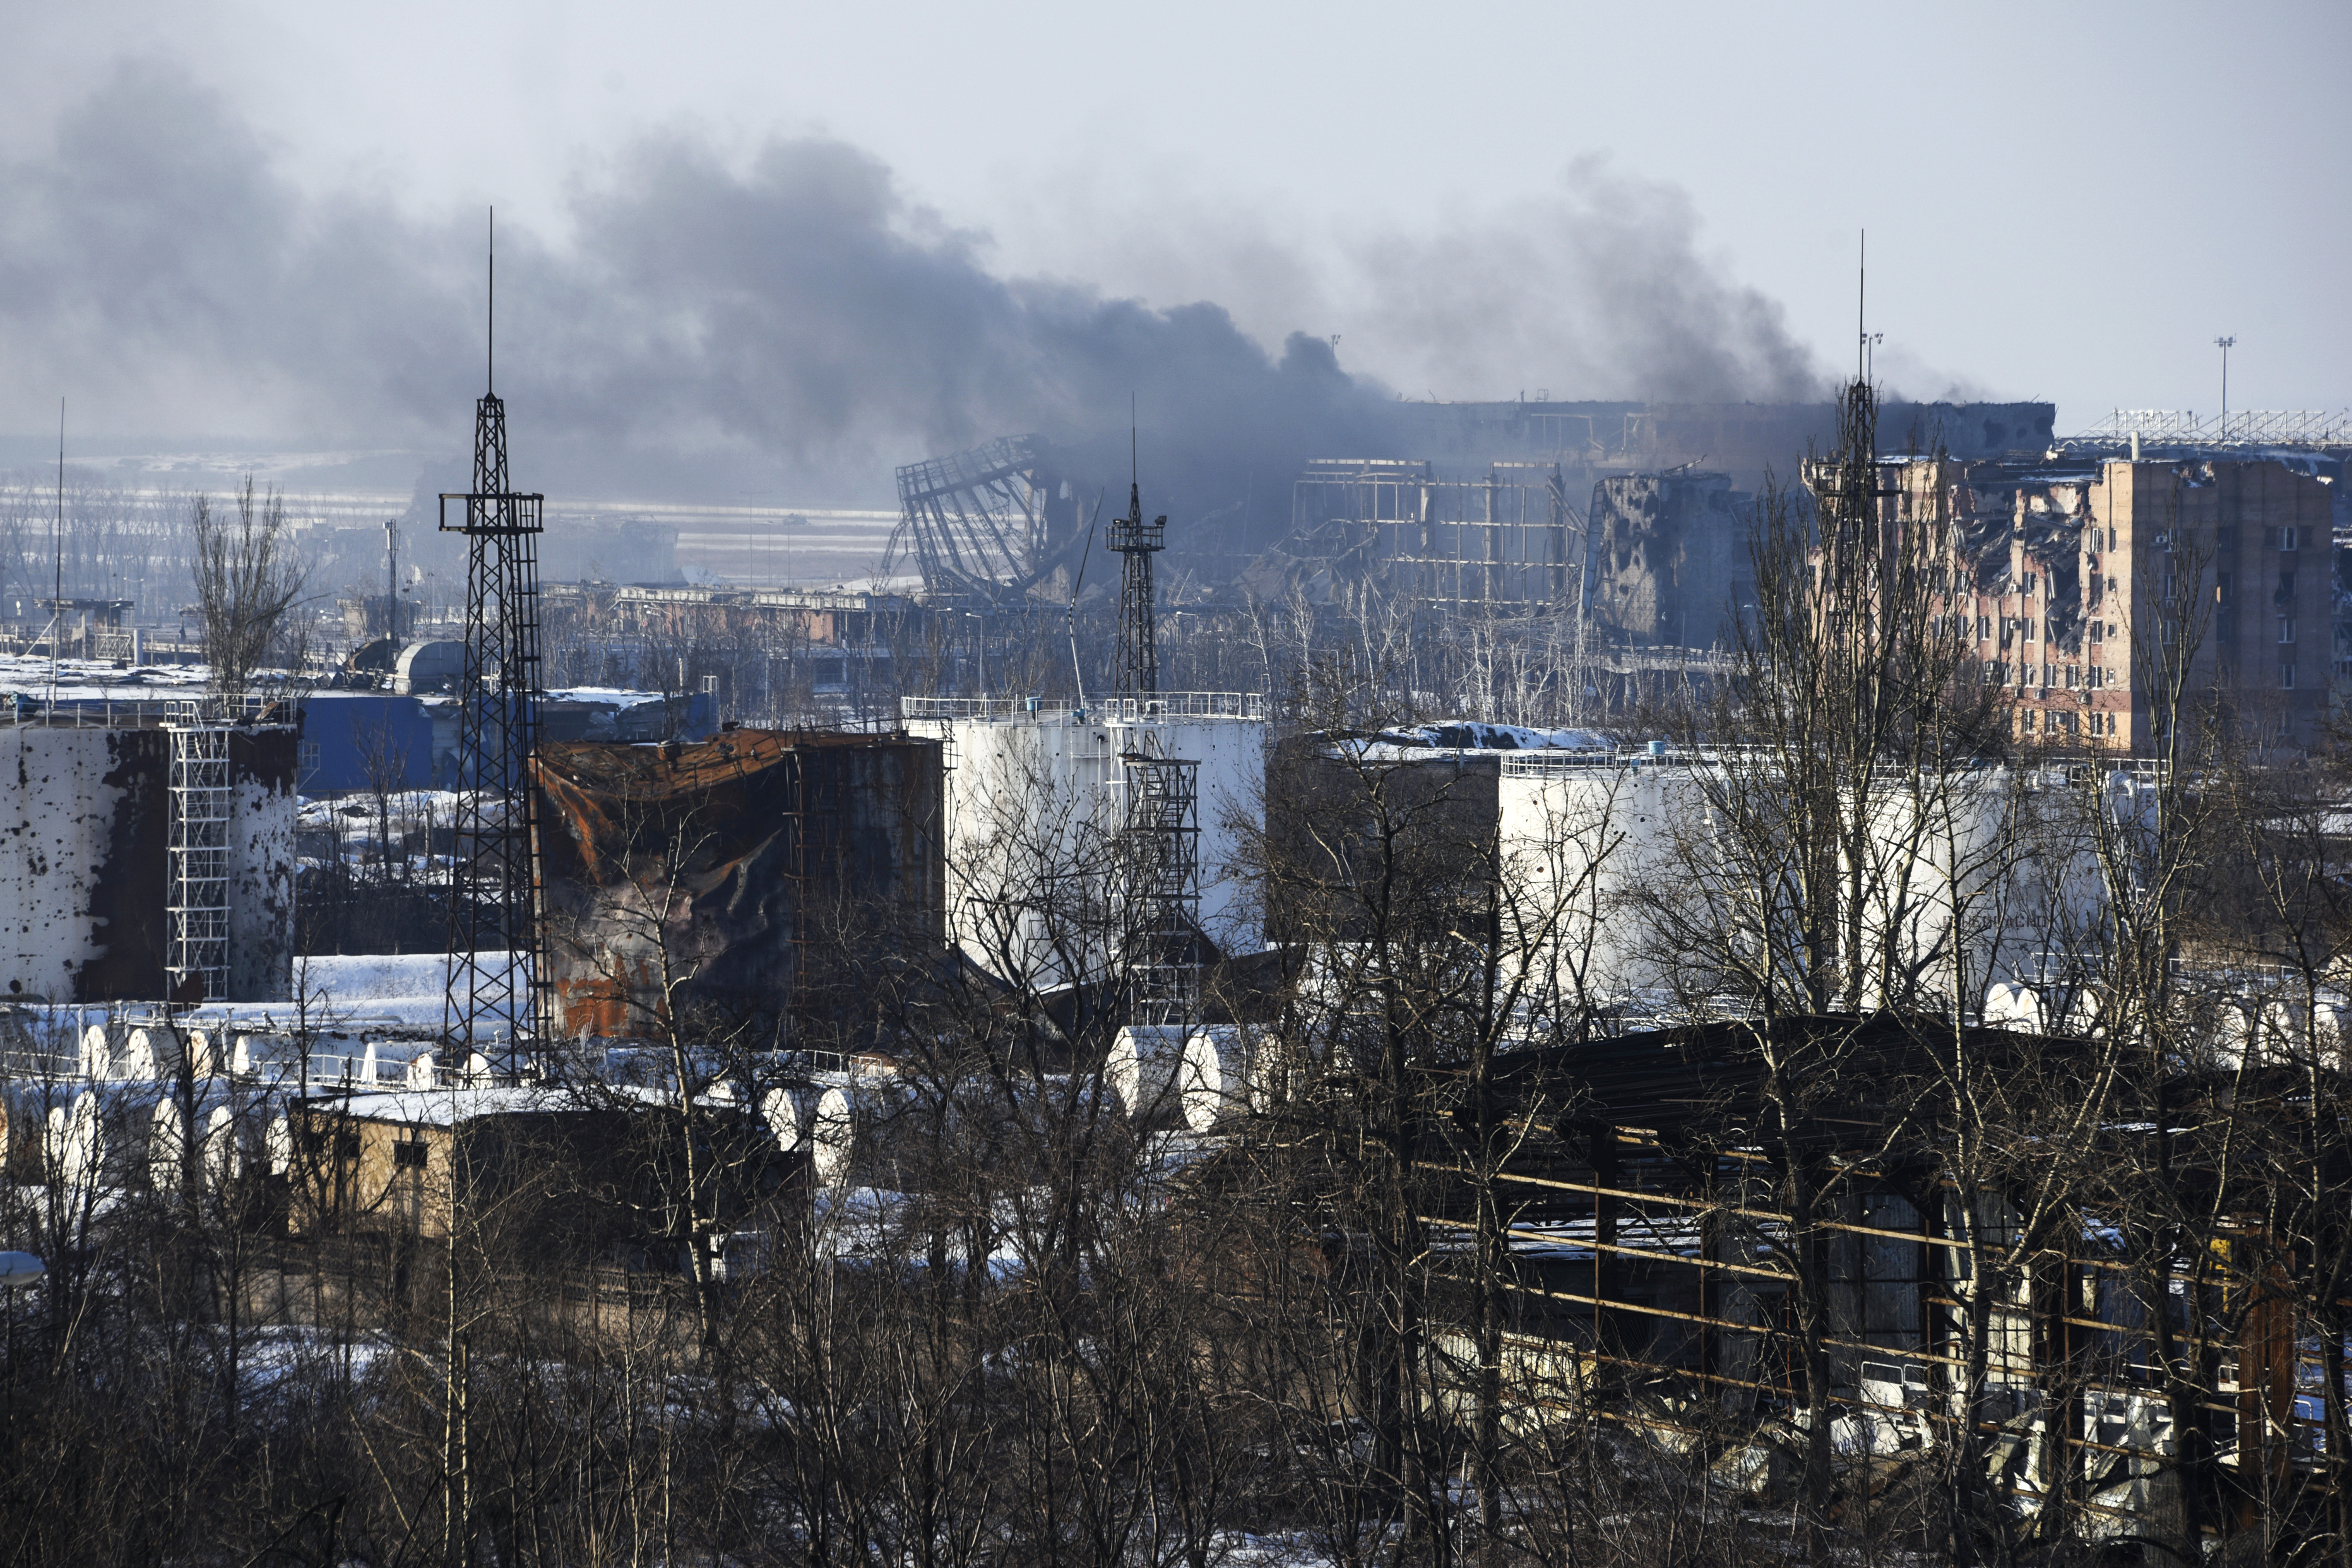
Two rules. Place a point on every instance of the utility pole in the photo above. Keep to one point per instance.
(2225, 345)
(391, 581)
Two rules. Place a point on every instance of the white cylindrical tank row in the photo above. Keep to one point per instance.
(223, 1129)
(1196, 1077)
(119, 1135)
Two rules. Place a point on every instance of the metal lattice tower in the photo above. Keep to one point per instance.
(198, 864)
(1139, 644)
(1162, 844)
(496, 978)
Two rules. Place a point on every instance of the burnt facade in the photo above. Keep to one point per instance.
(1669, 557)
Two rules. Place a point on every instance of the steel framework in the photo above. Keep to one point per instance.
(497, 983)
(197, 853)
(1162, 843)
(979, 524)
(1136, 542)
(1501, 541)
(2292, 429)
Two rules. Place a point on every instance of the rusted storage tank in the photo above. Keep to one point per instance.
(789, 862)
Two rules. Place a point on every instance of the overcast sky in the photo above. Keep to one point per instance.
(810, 235)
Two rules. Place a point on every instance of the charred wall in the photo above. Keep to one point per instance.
(261, 769)
(1667, 553)
(756, 882)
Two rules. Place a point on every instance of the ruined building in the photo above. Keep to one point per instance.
(1446, 506)
(1668, 561)
(2073, 574)
(738, 884)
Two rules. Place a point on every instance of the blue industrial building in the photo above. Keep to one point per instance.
(348, 736)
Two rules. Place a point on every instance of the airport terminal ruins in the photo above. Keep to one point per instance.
(1581, 984)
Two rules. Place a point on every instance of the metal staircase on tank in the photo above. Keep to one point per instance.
(198, 862)
(1162, 843)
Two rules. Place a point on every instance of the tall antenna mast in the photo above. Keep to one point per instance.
(491, 313)
(57, 544)
(497, 980)
(1139, 650)
(1862, 311)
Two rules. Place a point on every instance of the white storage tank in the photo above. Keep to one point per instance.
(1141, 1068)
(833, 1136)
(95, 1057)
(1214, 1082)
(790, 1113)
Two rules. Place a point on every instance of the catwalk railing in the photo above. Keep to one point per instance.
(1161, 705)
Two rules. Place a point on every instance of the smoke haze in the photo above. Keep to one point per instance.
(794, 322)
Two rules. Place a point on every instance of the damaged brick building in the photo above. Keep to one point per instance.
(2074, 575)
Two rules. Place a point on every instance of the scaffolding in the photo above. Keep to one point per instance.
(1161, 835)
(1499, 542)
(198, 864)
(2325, 430)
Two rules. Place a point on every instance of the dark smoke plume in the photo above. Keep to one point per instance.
(791, 326)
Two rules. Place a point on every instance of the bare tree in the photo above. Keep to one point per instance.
(248, 586)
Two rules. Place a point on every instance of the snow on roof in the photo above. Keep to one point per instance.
(444, 1107)
(1449, 735)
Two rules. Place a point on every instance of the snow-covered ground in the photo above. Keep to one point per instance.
(98, 680)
